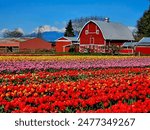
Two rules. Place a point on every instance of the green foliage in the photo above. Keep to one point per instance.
(69, 30)
(2, 109)
(143, 25)
(15, 33)
(114, 49)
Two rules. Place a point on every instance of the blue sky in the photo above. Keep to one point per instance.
(29, 14)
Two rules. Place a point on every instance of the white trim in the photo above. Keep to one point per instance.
(60, 38)
(97, 32)
(76, 43)
(64, 47)
(92, 32)
(92, 40)
(63, 41)
(67, 39)
(91, 44)
(67, 45)
(86, 32)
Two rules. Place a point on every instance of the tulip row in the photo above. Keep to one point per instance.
(27, 66)
(40, 77)
(99, 90)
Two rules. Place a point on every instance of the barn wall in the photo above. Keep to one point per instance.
(35, 44)
(126, 51)
(60, 44)
(143, 49)
(115, 42)
(87, 38)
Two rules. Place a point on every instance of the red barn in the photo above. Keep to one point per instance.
(143, 46)
(63, 44)
(99, 35)
(23, 44)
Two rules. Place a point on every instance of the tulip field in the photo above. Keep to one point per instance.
(74, 84)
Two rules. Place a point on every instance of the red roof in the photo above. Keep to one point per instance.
(4, 43)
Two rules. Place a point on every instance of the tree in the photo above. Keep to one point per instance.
(39, 32)
(114, 49)
(69, 30)
(143, 25)
(15, 33)
(78, 23)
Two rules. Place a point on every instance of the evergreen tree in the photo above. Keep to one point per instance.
(15, 33)
(143, 25)
(69, 30)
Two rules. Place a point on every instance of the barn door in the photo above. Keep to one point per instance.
(92, 40)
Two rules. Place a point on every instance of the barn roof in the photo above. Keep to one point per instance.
(6, 42)
(13, 41)
(74, 39)
(129, 44)
(145, 41)
(113, 31)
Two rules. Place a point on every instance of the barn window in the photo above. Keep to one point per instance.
(86, 32)
(97, 31)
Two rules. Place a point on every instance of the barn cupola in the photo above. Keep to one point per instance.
(107, 20)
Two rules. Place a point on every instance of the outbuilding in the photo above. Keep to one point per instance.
(23, 44)
(64, 44)
(143, 46)
(128, 48)
(98, 36)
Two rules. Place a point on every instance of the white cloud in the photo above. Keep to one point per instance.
(2, 31)
(133, 29)
(47, 28)
(20, 30)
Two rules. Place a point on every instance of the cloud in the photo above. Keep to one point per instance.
(2, 31)
(47, 28)
(20, 30)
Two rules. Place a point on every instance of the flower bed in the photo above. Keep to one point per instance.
(75, 84)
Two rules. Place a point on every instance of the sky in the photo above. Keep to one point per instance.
(29, 14)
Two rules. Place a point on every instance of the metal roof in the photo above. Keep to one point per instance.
(72, 38)
(145, 41)
(129, 44)
(13, 41)
(4, 43)
(22, 39)
(113, 31)
(9, 45)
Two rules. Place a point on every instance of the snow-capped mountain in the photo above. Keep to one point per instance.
(48, 33)
(47, 28)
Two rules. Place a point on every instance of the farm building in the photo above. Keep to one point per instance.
(143, 46)
(98, 36)
(128, 48)
(64, 44)
(23, 44)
